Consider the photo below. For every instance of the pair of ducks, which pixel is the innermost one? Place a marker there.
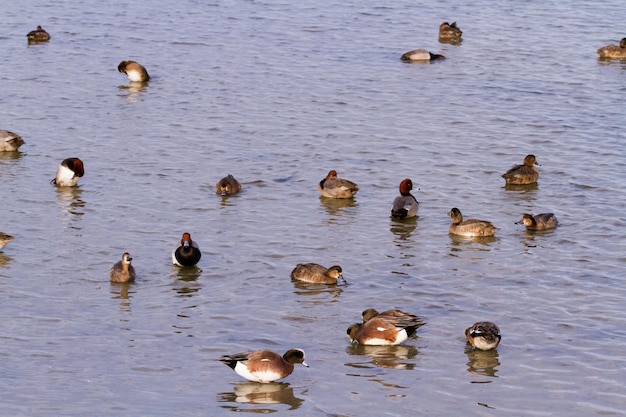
(387, 328)
(187, 253)
(447, 33)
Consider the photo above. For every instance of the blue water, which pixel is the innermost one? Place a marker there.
(278, 94)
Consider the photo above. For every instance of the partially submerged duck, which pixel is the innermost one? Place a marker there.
(420, 55)
(449, 31)
(134, 70)
(335, 187)
(523, 174)
(38, 35)
(541, 221)
(471, 227)
(613, 51)
(69, 172)
(9, 141)
(405, 205)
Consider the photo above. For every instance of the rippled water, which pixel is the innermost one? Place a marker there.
(278, 94)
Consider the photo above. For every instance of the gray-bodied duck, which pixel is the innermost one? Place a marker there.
(405, 205)
(471, 227)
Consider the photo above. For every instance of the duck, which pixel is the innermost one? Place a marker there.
(613, 51)
(396, 314)
(69, 172)
(420, 55)
(134, 70)
(541, 221)
(405, 205)
(523, 174)
(227, 186)
(9, 141)
(383, 330)
(38, 35)
(5, 239)
(483, 335)
(334, 187)
(449, 31)
(264, 366)
(187, 253)
(471, 227)
(317, 274)
(123, 271)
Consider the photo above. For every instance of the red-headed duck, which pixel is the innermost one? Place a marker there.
(187, 253)
(69, 172)
(264, 365)
(405, 205)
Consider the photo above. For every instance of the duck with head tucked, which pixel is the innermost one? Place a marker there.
(541, 221)
(134, 70)
(613, 51)
(68, 173)
(405, 205)
(123, 271)
(38, 35)
(420, 55)
(523, 174)
(471, 227)
(483, 335)
(317, 274)
(264, 366)
(187, 253)
(5, 239)
(449, 31)
(383, 330)
(394, 314)
(227, 186)
(9, 141)
(334, 187)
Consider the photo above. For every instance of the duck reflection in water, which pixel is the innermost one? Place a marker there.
(186, 284)
(72, 205)
(334, 206)
(391, 357)
(255, 393)
(482, 362)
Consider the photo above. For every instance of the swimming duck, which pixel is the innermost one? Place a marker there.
(483, 335)
(187, 253)
(9, 141)
(449, 31)
(227, 186)
(471, 227)
(333, 187)
(539, 222)
(264, 365)
(396, 314)
(418, 55)
(134, 71)
(523, 174)
(613, 51)
(69, 172)
(123, 271)
(405, 205)
(38, 35)
(382, 329)
(317, 274)
(5, 239)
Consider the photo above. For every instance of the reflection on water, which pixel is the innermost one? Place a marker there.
(72, 206)
(335, 206)
(393, 357)
(402, 229)
(4, 259)
(482, 362)
(461, 244)
(134, 90)
(256, 393)
(121, 291)
(10, 156)
(186, 284)
(451, 41)
(522, 188)
(311, 290)
(528, 237)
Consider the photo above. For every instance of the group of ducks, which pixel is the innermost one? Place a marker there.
(450, 33)
(390, 327)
